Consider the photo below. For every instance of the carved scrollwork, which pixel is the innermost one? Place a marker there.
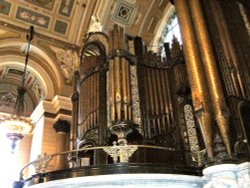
(123, 152)
(42, 162)
(135, 96)
(191, 132)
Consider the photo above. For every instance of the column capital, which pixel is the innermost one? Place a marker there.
(61, 126)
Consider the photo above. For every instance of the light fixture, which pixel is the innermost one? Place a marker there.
(17, 125)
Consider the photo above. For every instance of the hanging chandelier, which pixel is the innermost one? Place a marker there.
(17, 125)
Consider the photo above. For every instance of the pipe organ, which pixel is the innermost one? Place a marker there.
(127, 94)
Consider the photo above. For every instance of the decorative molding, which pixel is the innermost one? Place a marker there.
(59, 107)
(124, 12)
(44, 37)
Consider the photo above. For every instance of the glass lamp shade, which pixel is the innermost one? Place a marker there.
(16, 127)
(17, 124)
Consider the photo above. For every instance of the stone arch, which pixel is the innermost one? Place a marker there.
(162, 24)
(40, 62)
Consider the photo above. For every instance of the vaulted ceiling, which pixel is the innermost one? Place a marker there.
(60, 26)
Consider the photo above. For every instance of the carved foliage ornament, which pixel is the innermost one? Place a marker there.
(191, 131)
(42, 162)
(121, 152)
(68, 61)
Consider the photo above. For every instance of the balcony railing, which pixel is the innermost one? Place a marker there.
(119, 154)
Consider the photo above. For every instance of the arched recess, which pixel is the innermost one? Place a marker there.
(40, 61)
(33, 69)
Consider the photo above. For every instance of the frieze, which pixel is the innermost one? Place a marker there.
(32, 17)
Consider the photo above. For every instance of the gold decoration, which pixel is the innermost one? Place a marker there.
(42, 162)
(136, 112)
(122, 152)
(191, 131)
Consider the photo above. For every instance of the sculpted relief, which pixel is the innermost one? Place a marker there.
(68, 61)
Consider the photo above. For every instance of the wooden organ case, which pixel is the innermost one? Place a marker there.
(127, 94)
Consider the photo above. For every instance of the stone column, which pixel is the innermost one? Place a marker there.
(195, 75)
(219, 107)
(44, 136)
